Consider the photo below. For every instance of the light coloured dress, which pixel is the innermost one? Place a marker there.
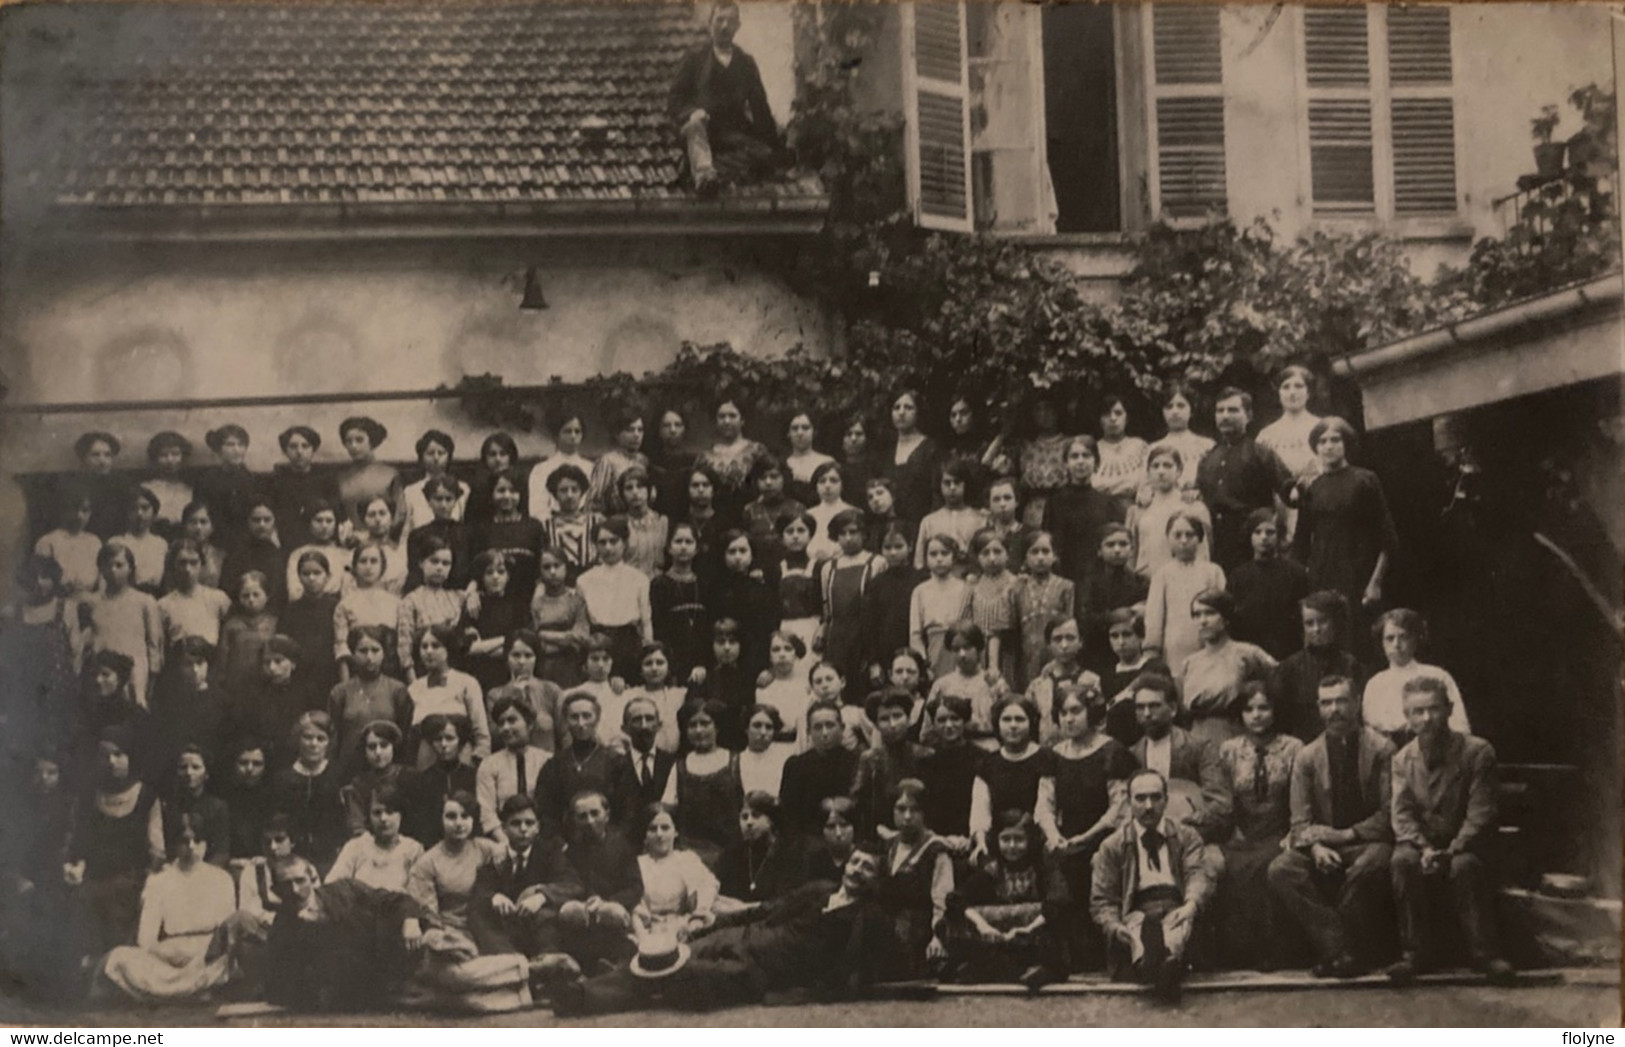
(1192, 447)
(457, 694)
(180, 910)
(542, 505)
(1121, 469)
(76, 554)
(1168, 624)
(198, 613)
(454, 975)
(675, 888)
(365, 862)
(936, 607)
(763, 771)
(1383, 705)
(129, 623)
(1210, 682)
(418, 513)
(1150, 526)
(1038, 602)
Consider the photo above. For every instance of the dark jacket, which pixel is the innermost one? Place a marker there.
(1193, 760)
(732, 96)
(1117, 873)
(607, 869)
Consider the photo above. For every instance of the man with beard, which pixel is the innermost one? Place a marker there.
(1197, 795)
(819, 936)
(1444, 811)
(1334, 879)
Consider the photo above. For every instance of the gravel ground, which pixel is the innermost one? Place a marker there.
(1570, 1006)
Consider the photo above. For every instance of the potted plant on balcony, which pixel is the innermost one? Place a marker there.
(1548, 154)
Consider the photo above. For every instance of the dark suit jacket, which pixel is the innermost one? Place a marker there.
(732, 96)
(1196, 761)
(1312, 790)
(655, 788)
(607, 870)
(545, 869)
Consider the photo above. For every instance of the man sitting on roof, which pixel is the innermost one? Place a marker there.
(721, 110)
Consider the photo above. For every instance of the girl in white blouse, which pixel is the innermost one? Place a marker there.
(679, 892)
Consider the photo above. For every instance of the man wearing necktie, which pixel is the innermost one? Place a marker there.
(1150, 883)
(640, 722)
(515, 901)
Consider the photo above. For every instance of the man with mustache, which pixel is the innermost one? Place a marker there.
(1334, 878)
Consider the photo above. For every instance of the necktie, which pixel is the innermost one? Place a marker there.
(518, 863)
(647, 773)
(520, 758)
(1153, 848)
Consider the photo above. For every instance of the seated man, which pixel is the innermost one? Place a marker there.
(1444, 810)
(819, 936)
(1197, 793)
(593, 925)
(651, 767)
(1149, 886)
(515, 903)
(720, 108)
(1334, 878)
(585, 765)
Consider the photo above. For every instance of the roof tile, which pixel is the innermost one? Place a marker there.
(368, 102)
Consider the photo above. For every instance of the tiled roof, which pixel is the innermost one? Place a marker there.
(357, 103)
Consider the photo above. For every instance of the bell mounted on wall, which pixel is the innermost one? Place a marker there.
(533, 297)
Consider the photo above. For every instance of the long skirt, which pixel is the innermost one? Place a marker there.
(175, 969)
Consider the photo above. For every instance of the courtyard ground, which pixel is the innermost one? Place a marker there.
(1576, 1000)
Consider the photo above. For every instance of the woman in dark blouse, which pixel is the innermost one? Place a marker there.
(508, 528)
(827, 769)
(1345, 534)
(912, 460)
(109, 851)
(1012, 777)
(297, 486)
(669, 464)
(827, 854)
(1086, 804)
(949, 771)
(762, 864)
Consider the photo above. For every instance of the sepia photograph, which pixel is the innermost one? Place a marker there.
(834, 513)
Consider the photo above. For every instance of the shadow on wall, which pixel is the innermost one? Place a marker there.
(148, 362)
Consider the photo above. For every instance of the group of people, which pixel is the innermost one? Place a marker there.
(695, 727)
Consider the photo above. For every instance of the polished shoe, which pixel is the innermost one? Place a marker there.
(569, 999)
(1498, 971)
(1170, 982)
(1344, 966)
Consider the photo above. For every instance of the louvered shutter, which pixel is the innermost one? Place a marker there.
(1188, 92)
(938, 103)
(1337, 66)
(1424, 123)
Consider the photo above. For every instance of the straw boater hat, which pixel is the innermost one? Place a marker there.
(659, 954)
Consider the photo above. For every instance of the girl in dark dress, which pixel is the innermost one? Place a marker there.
(681, 619)
(228, 489)
(308, 792)
(1012, 777)
(913, 460)
(826, 854)
(109, 703)
(108, 851)
(949, 771)
(37, 641)
(448, 737)
(297, 486)
(1087, 804)
(189, 709)
(110, 490)
(498, 455)
(494, 614)
(886, 606)
(738, 593)
(258, 551)
(510, 530)
(189, 803)
(1076, 513)
(916, 881)
(762, 864)
(827, 769)
(704, 784)
(857, 464)
(308, 622)
(669, 464)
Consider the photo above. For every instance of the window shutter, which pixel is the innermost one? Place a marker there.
(938, 104)
(1337, 66)
(1188, 87)
(1424, 122)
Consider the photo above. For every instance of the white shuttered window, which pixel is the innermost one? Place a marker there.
(1381, 111)
(938, 104)
(1186, 88)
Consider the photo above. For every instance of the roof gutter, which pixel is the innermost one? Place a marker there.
(1594, 293)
